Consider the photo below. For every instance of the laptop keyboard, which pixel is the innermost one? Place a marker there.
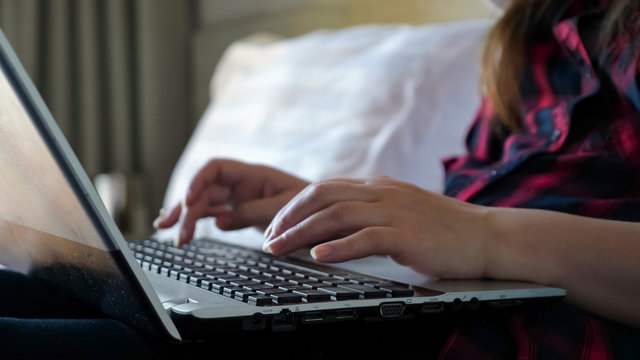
(257, 278)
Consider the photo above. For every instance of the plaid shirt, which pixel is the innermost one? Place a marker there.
(578, 152)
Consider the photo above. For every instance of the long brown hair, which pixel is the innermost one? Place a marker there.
(505, 53)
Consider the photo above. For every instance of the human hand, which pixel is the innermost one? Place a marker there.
(431, 233)
(237, 194)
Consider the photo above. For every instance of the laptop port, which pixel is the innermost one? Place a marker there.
(312, 317)
(345, 314)
(429, 308)
(284, 321)
(392, 310)
(456, 305)
(473, 304)
(254, 322)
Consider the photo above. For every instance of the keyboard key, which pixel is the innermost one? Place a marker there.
(315, 285)
(176, 251)
(216, 286)
(366, 292)
(397, 290)
(362, 280)
(261, 279)
(286, 298)
(195, 280)
(231, 290)
(277, 283)
(269, 292)
(313, 295)
(257, 286)
(260, 300)
(241, 282)
(339, 294)
(291, 287)
(243, 295)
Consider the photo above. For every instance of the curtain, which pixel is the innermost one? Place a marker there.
(114, 73)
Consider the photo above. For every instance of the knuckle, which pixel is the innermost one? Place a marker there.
(349, 248)
(319, 190)
(212, 164)
(281, 222)
(374, 237)
(340, 212)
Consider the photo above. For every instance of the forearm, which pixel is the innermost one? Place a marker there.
(597, 261)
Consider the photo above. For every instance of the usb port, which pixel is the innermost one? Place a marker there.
(434, 307)
(345, 314)
(312, 316)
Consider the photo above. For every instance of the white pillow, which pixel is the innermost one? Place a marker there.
(356, 102)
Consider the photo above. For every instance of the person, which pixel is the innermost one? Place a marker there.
(549, 190)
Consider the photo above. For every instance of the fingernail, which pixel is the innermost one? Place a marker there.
(266, 247)
(321, 252)
(156, 222)
(160, 218)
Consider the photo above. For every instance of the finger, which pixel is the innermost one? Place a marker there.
(212, 201)
(217, 195)
(217, 171)
(366, 242)
(252, 213)
(168, 219)
(316, 197)
(191, 215)
(339, 218)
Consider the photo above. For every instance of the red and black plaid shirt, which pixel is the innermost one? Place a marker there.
(578, 152)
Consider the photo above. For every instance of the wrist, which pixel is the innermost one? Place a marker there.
(515, 246)
(500, 248)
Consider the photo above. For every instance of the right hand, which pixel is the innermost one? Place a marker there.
(237, 194)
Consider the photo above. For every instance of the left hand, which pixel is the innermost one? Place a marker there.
(431, 233)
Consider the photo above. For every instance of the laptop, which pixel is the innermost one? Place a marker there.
(55, 227)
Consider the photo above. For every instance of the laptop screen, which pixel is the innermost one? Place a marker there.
(50, 225)
(36, 196)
